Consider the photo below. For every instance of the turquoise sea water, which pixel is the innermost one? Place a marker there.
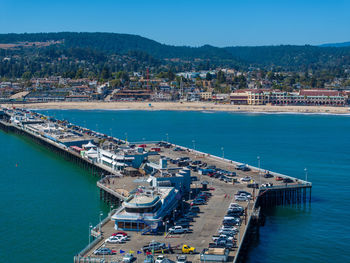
(47, 202)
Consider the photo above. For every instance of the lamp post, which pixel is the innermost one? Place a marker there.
(305, 170)
(90, 227)
(101, 214)
(126, 136)
(167, 137)
(194, 144)
(223, 153)
(259, 170)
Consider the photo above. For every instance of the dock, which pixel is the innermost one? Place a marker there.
(136, 165)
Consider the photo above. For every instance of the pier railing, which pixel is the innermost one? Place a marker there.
(96, 234)
(102, 185)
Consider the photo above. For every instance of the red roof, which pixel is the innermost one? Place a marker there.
(319, 93)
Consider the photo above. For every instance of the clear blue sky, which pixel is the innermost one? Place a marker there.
(191, 22)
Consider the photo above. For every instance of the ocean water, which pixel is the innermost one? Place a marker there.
(47, 202)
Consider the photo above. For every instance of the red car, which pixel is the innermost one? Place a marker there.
(120, 233)
(279, 178)
(143, 145)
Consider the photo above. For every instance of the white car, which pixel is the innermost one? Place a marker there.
(181, 259)
(128, 258)
(121, 237)
(114, 240)
(246, 179)
(232, 205)
(241, 198)
(228, 228)
(160, 259)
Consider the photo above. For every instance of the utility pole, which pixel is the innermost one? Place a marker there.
(305, 170)
(259, 170)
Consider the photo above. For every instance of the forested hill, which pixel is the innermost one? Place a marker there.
(120, 44)
(30, 53)
(292, 57)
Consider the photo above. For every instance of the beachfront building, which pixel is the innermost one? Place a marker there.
(277, 97)
(146, 209)
(239, 98)
(323, 97)
(122, 158)
(257, 97)
(207, 95)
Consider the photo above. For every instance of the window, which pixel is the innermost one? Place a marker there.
(127, 225)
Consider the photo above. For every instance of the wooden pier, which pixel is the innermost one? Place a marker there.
(280, 194)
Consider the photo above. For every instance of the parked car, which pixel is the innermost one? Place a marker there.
(279, 178)
(178, 230)
(120, 236)
(224, 232)
(195, 209)
(181, 259)
(160, 259)
(104, 251)
(128, 258)
(114, 240)
(153, 246)
(268, 175)
(226, 228)
(221, 236)
(186, 249)
(234, 205)
(190, 214)
(197, 202)
(246, 179)
(241, 192)
(178, 149)
(120, 233)
(242, 167)
(182, 223)
(287, 180)
(241, 198)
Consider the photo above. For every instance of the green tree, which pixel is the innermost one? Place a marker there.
(208, 76)
(79, 74)
(220, 77)
(27, 75)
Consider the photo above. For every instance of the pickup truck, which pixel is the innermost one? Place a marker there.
(178, 230)
(214, 254)
(154, 246)
(188, 249)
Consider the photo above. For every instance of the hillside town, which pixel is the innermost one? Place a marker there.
(226, 86)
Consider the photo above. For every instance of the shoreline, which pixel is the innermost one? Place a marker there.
(185, 106)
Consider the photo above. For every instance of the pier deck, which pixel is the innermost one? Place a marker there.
(115, 188)
(212, 214)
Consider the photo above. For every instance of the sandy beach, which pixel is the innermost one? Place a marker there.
(184, 106)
